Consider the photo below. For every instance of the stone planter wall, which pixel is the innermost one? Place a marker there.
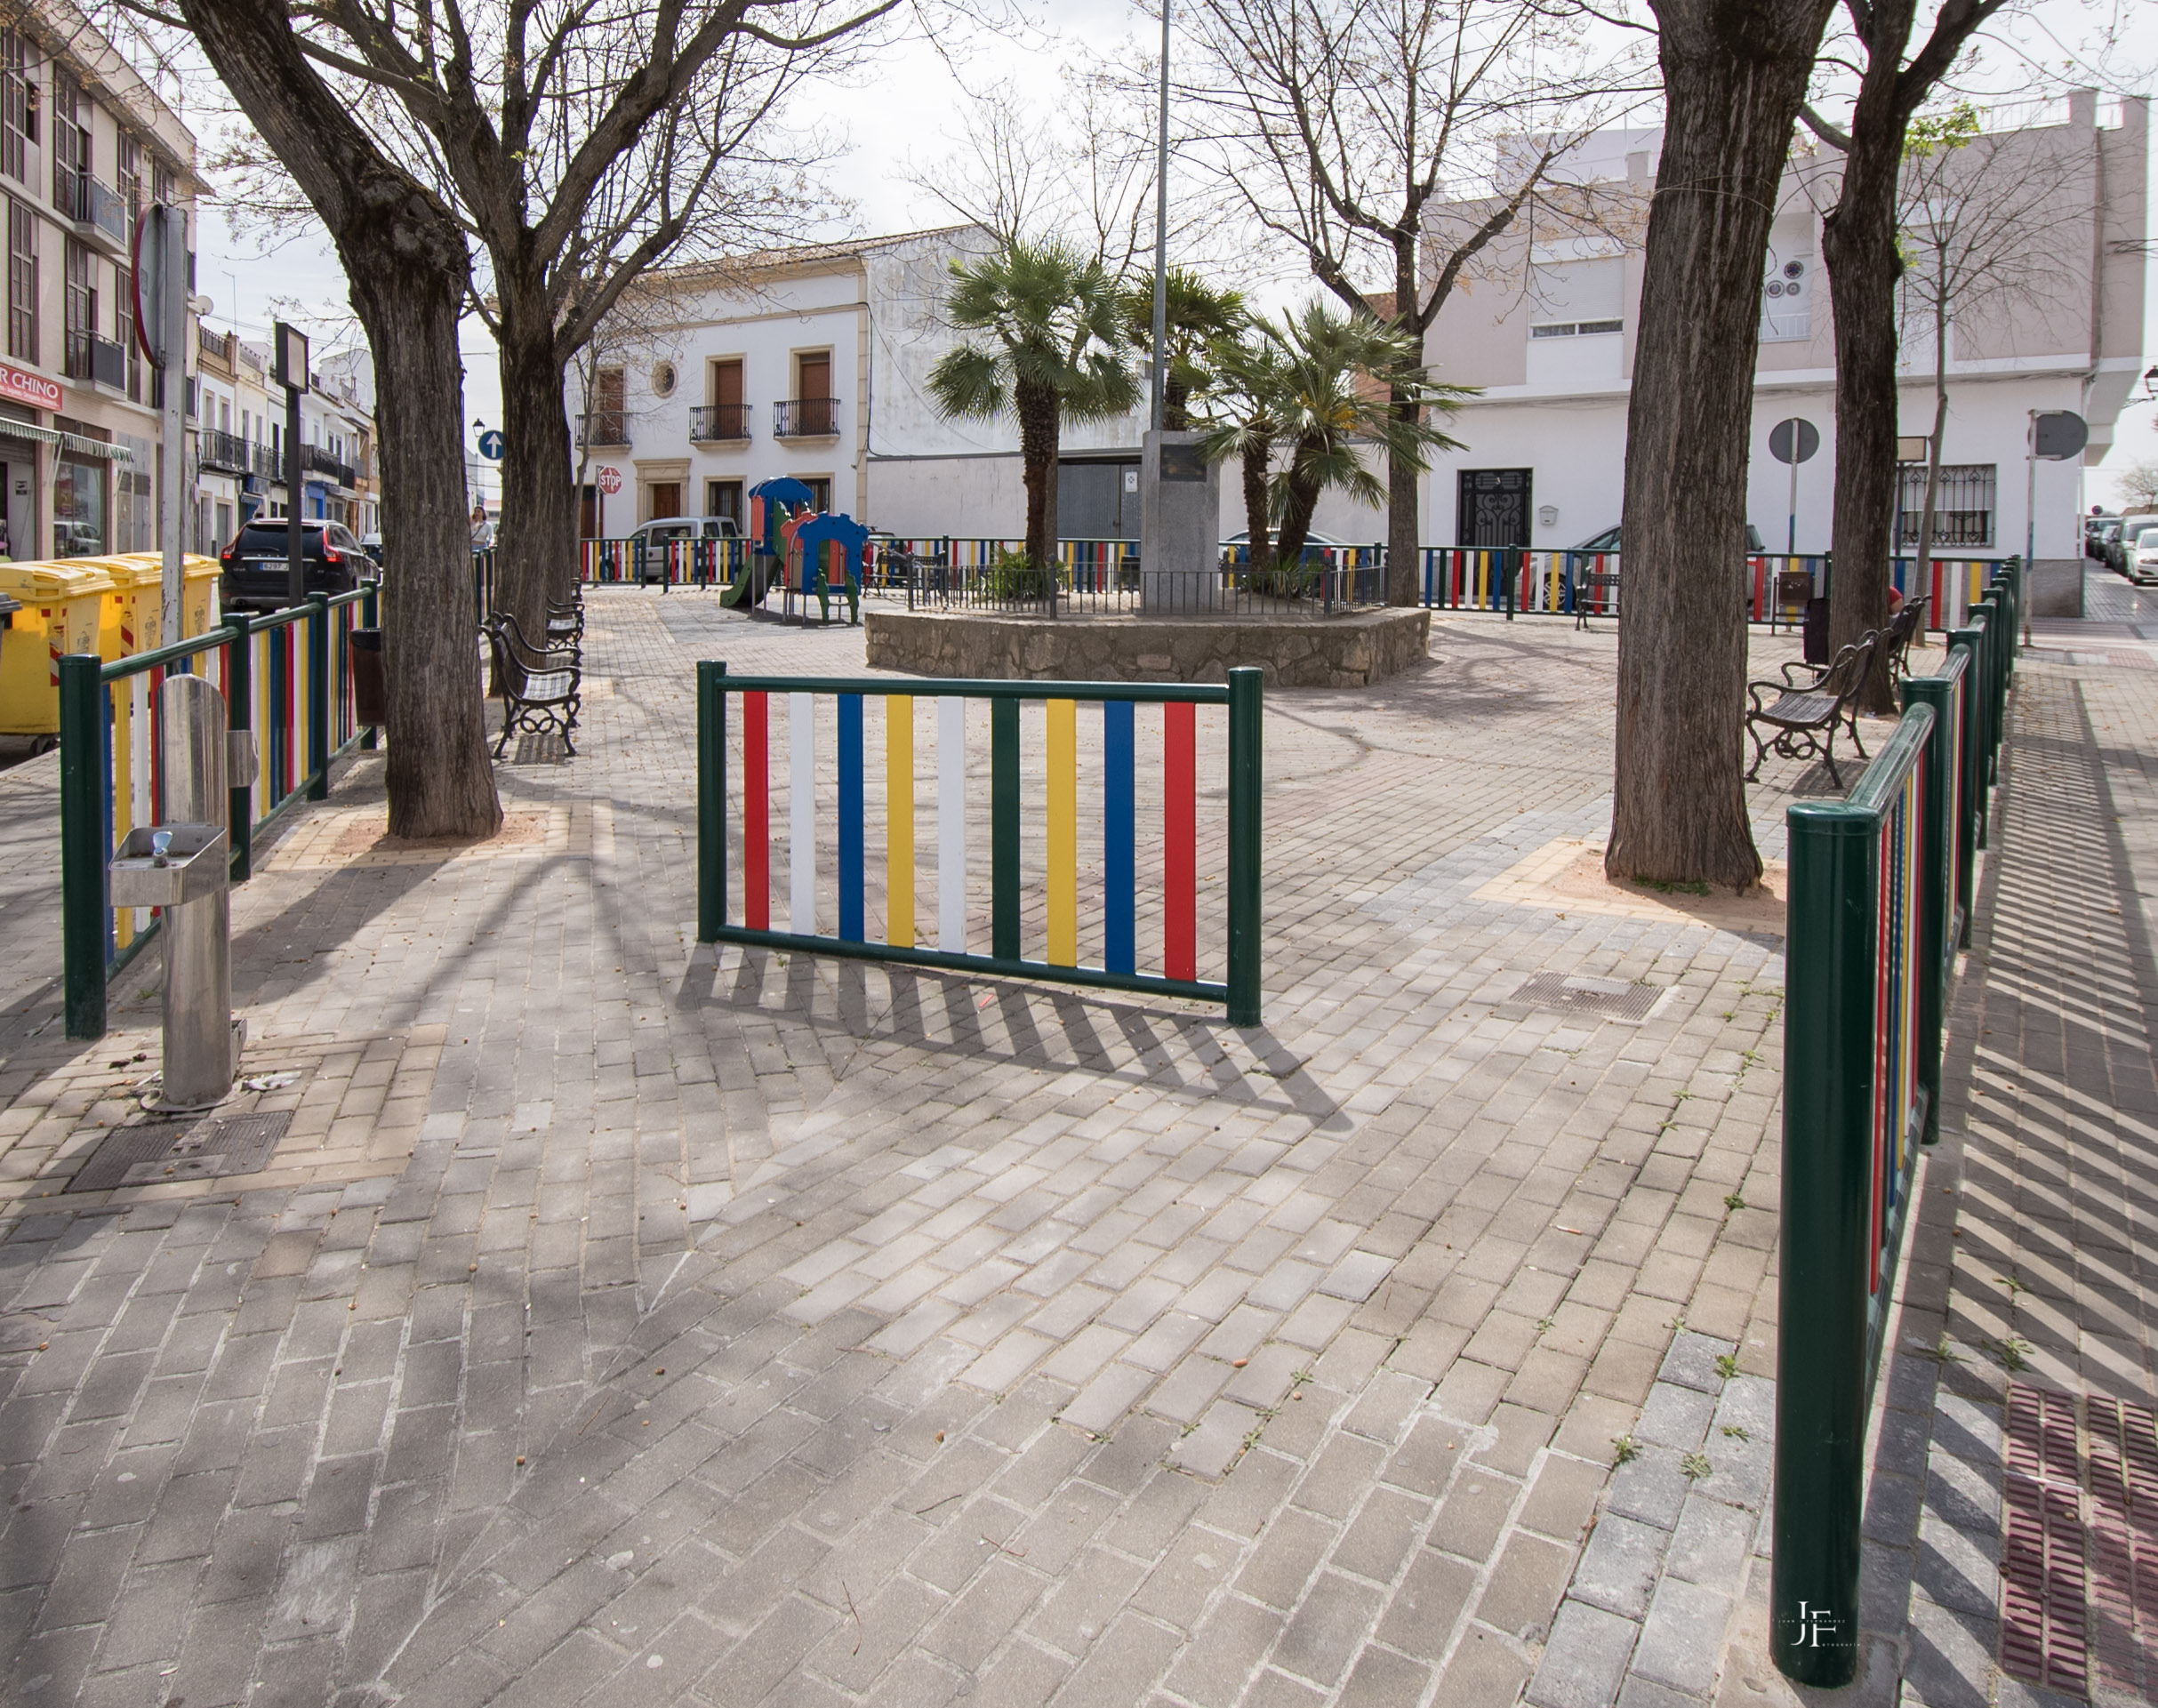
(1350, 651)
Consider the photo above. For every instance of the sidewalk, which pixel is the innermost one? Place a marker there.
(610, 1318)
(2011, 1523)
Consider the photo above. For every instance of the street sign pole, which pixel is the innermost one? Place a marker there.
(292, 366)
(1793, 441)
(172, 474)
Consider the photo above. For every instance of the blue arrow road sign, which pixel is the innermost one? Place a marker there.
(491, 445)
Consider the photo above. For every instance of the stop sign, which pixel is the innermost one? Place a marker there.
(610, 480)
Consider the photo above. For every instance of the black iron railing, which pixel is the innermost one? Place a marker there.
(805, 418)
(604, 426)
(719, 421)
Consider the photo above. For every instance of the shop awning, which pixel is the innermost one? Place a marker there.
(84, 447)
(14, 429)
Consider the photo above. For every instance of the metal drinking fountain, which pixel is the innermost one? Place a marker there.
(184, 867)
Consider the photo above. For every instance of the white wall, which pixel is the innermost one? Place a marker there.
(1576, 449)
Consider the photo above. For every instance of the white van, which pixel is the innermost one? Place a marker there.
(649, 541)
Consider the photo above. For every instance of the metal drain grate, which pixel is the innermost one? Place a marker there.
(2079, 1566)
(187, 1150)
(1606, 998)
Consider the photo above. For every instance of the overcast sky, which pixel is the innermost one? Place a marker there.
(906, 114)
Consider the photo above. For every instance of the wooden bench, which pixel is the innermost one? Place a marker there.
(542, 690)
(1805, 716)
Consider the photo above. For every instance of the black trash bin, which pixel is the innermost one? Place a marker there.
(368, 696)
(1817, 631)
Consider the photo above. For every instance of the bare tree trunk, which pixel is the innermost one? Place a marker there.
(1858, 243)
(1734, 72)
(537, 543)
(405, 257)
(1258, 454)
(1403, 582)
(1037, 407)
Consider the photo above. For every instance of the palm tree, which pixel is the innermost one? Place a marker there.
(1332, 409)
(1047, 353)
(1198, 317)
(1247, 381)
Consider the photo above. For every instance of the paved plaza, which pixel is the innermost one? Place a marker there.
(615, 1319)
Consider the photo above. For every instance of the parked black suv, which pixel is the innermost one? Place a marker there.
(257, 577)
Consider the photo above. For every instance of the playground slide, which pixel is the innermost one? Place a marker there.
(737, 593)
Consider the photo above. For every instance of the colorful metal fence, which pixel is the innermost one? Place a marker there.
(287, 677)
(1538, 583)
(1146, 913)
(1881, 889)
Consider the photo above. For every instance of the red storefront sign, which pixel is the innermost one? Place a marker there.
(32, 388)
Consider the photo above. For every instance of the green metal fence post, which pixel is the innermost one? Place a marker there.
(1247, 830)
(1004, 829)
(1970, 642)
(240, 714)
(711, 799)
(318, 697)
(1820, 1357)
(1939, 924)
(83, 843)
(371, 616)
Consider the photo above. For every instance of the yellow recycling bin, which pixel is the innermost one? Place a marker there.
(200, 576)
(62, 610)
(134, 618)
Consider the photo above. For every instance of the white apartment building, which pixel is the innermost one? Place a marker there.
(1551, 345)
(85, 145)
(815, 363)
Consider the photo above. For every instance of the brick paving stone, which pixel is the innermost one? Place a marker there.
(2024, 1258)
(912, 1337)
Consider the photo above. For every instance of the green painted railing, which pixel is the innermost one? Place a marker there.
(875, 800)
(287, 677)
(1882, 886)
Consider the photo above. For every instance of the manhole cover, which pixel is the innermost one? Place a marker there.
(188, 1150)
(1606, 998)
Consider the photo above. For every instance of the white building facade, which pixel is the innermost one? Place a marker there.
(815, 363)
(1552, 350)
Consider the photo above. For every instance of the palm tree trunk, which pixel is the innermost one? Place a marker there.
(1297, 514)
(1258, 453)
(1038, 435)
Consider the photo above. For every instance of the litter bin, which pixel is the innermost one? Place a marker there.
(199, 580)
(60, 610)
(369, 695)
(134, 618)
(1817, 631)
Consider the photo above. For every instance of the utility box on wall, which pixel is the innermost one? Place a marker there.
(1179, 526)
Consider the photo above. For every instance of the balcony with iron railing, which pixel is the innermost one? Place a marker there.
(269, 461)
(217, 450)
(719, 422)
(98, 214)
(319, 461)
(604, 426)
(806, 418)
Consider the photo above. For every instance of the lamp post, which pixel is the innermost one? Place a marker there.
(1161, 240)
